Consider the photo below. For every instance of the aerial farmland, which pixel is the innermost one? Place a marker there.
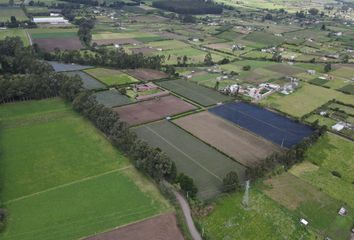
(176, 119)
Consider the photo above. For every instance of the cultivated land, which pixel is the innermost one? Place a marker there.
(160, 227)
(110, 76)
(310, 203)
(50, 44)
(330, 153)
(270, 125)
(193, 157)
(112, 98)
(263, 219)
(88, 82)
(306, 99)
(147, 74)
(152, 110)
(85, 173)
(201, 95)
(241, 145)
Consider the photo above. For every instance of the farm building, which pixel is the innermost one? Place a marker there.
(51, 20)
(338, 127)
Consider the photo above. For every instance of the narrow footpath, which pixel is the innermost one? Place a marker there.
(187, 215)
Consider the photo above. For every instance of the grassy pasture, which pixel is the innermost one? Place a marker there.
(267, 39)
(110, 76)
(57, 170)
(7, 12)
(15, 33)
(305, 99)
(112, 98)
(123, 35)
(330, 153)
(308, 202)
(60, 34)
(263, 220)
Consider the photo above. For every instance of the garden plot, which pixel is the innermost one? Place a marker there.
(88, 81)
(194, 92)
(50, 44)
(151, 110)
(111, 77)
(271, 126)
(241, 145)
(7, 12)
(194, 158)
(112, 98)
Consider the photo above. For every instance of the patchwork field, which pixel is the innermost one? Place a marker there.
(88, 81)
(244, 147)
(152, 110)
(160, 227)
(310, 203)
(330, 154)
(269, 125)
(264, 219)
(111, 76)
(201, 95)
(196, 159)
(112, 98)
(57, 170)
(305, 99)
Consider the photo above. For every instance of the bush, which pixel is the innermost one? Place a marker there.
(231, 182)
(336, 174)
(187, 185)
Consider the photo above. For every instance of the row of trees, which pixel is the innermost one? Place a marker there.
(286, 160)
(116, 58)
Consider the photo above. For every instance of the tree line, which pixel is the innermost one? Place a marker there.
(189, 6)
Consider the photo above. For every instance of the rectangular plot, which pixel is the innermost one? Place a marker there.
(112, 98)
(237, 143)
(50, 44)
(196, 159)
(272, 126)
(152, 110)
(194, 92)
(88, 81)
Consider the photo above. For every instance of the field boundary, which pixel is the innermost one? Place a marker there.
(68, 184)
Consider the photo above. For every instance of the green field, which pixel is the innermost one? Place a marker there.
(201, 95)
(15, 33)
(264, 219)
(112, 98)
(305, 99)
(62, 179)
(193, 157)
(7, 12)
(308, 202)
(330, 153)
(110, 76)
(61, 34)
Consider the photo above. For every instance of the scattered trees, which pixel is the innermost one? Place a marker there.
(189, 6)
(187, 185)
(208, 60)
(328, 67)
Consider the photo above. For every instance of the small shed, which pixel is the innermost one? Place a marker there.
(304, 222)
(342, 211)
(338, 126)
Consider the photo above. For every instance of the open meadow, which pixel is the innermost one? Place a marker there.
(110, 76)
(62, 178)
